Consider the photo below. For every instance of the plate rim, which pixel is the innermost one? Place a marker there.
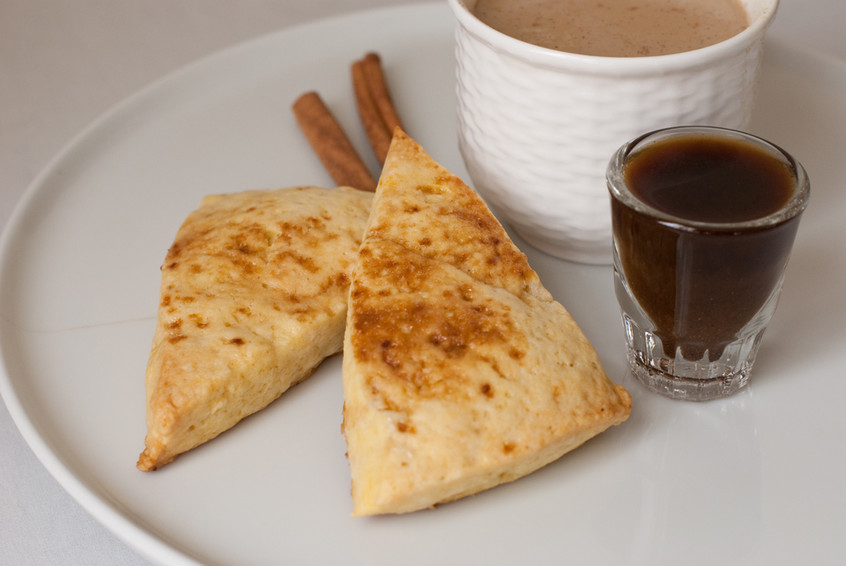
(135, 535)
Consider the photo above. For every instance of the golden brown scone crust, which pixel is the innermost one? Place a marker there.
(460, 371)
(253, 298)
(441, 217)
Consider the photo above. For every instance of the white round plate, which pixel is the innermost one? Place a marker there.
(755, 479)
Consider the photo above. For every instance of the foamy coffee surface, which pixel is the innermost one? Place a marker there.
(616, 28)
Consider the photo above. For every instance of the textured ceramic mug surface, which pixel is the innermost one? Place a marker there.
(537, 127)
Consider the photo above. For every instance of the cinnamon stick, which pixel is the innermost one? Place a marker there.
(331, 144)
(375, 106)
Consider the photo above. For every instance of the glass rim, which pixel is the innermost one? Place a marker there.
(620, 191)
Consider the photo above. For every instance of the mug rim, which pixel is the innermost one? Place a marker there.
(551, 58)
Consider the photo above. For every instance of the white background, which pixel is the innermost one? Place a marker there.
(62, 64)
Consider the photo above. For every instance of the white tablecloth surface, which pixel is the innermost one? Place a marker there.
(62, 64)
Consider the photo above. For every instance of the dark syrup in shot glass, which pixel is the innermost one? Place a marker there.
(700, 285)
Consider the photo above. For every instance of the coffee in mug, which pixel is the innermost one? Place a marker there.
(616, 28)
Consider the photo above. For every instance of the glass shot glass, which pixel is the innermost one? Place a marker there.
(703, 222)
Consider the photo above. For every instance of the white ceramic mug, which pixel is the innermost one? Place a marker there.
(537, 127)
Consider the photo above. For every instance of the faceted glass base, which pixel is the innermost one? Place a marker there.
(679, 378)
(687, 388)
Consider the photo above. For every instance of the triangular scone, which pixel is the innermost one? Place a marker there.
(453, 381)
(253, 298)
